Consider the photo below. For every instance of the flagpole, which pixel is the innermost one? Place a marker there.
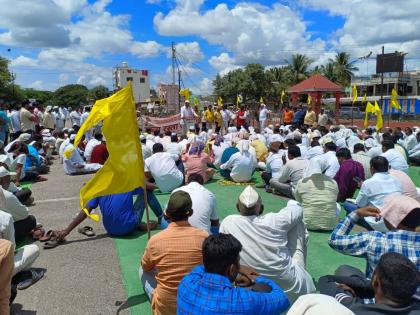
(146, 205)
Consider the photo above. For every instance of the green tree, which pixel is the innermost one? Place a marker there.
(40, 96)
(98, 92)
(329, 71)
(344, 68)
(5, 75)
(299, 67)
(71, 95)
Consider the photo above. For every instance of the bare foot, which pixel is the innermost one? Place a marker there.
(152, 225)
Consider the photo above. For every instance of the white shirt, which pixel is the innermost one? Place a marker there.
(163, 169)
(396, 160)
(332, 162)
(15, 120)
(20, 159)
(303, 150)
(218, 152)
(7, 229)
(266, 246)
(14, 206)
(274, 164)
(187, 113)
(226, 114)
(275, 137)
(174, 148)
(241, 165)
(203, 205)
(70, 165)
(83, 117)
(263, 114)
(314, 151)
(292, 172)
(63, 147)
(92, 143)
(375, 151)
(146, 151)
(375, 189)
(75, 118)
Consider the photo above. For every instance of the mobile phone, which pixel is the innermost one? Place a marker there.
(357, 179)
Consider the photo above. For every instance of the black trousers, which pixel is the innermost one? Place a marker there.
(23, 195)
(24, 227)
(266, 177)
(415, 160)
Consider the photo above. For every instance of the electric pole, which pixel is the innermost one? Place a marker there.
(179, 89)
(173, 63)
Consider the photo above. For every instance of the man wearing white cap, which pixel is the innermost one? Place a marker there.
(241, 165)
(48, 121)
(75, 165)
(273, 244)
(188, 116)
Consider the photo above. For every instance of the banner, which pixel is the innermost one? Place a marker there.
(171, 123)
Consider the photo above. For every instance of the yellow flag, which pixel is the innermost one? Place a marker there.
(123, 171)
(354, 94)
(309, 100)
(364, 98)
(261, 100)
(378, 113)
(394, 100)
(186, 93)
(238, 100)
(369, 109)
(219, 102)
(283, 94)
(196, 101)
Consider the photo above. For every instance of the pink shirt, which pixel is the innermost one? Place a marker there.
(197, 164)
(409, 189)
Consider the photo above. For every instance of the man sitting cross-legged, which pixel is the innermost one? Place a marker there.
(218, 287)
(274, 244)
(393, 285)
(171, 254)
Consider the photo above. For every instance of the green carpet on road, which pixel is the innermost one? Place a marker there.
(321, 258)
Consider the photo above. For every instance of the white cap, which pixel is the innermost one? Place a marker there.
(192, 128)
(142, 137)
(24, 137)
(249, 197)
(72, 137)
(4, 172)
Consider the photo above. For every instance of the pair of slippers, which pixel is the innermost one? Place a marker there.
(50, 240)
(86, 230)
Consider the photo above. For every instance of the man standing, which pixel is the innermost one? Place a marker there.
(226, 117)
(48, 121)
(15, 121)
(188, 117)
(75, 117)
(273, 244)
(322, 119)
(262, 115)
(170, 255)
(27, 118)
(205, 215)
(288, 116)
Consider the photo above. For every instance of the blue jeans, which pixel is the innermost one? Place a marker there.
(152, 201)
(350, 206)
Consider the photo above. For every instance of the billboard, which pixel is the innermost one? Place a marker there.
(393, 62)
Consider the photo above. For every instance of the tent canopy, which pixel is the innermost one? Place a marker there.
(316, 83)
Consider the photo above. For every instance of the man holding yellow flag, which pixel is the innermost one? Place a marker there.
(122, 176)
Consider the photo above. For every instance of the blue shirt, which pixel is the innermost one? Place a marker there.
(211, 294)
(6, 120)
(118, 215)
(34, 155)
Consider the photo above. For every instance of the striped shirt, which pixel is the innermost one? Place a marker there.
(372, 245)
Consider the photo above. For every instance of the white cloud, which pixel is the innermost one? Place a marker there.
(249, 32)
(146, 49)
(189, 52)
(23, 61)
(205, 87)
(39, 85)
(223, 63)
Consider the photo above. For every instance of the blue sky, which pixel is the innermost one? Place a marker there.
(56, 42)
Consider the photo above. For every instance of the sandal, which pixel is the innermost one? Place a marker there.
(37, 233)
(86, 230)
(52, 243)
(33, 278)
(47, 236)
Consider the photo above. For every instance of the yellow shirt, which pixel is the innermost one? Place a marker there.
(218, 118)
(208, 116)
(260, 149)
(310, 118)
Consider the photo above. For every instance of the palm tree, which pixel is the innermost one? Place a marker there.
(299, 67)
(329, 71)
(344, 68)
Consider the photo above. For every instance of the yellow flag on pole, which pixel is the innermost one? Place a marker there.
(219, 102)
(238, 100)
(370, 109)
(282, 95)
(354, 94)
(123, 171)
(364, 98)
(378, 113)
(261, 100)
(394, 100)
(186, 93)
(309, 100)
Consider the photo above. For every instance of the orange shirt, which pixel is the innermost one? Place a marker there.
(174, 252)
(288, 116)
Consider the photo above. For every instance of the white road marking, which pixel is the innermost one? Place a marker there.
(56, 200)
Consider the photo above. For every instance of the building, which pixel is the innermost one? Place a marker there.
(407, 85)
(139, 78)
(169, 94)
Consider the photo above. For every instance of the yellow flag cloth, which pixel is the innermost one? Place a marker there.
(309, 100)
(378, 113)
(369, 109)
(196, 101)
(394, 100)
(364, 98)
(219, 102)
(123, 171)
(238, 100)
(283, 94)
(354, 94)
(185, 93)
(261, 99)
